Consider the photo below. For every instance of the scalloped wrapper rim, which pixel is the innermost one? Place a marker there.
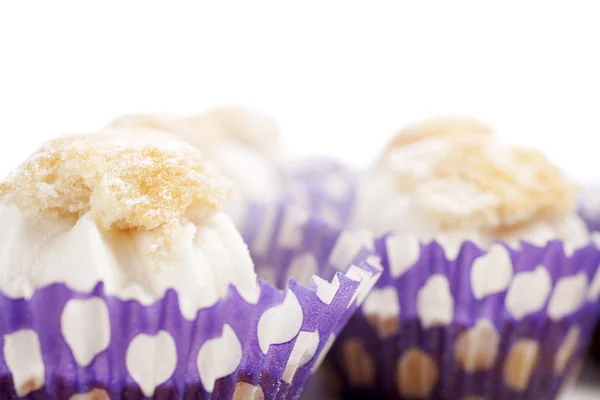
(280, 373)
(387, 341)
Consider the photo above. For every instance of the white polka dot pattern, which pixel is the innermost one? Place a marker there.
(303, 351)
(151, 360)
(568, 296)
(24, 359)
(367, 281)
(403, 252)
(302, 268)
(290, 232)
(435, 304)
(348, 246)
(219, 357)
(328, 344)
(336, 186)
(492, 272)
(594, 290)
(447, 324)
(77, 341)
(265, 230)
(280, 323)
(528, 292)
(326, 291)
(86, 328)
(383, 302)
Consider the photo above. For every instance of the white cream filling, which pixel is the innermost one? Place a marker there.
(382, 208)
(255, 176)
(209, 256)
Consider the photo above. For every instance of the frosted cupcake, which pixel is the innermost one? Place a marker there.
(120, 277)
(241, 142)
(490, 281)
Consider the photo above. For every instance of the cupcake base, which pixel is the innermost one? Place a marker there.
(531, 359)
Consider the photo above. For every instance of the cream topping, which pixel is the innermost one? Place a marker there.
(451, 177)
(126, 179)
(132, 208)
(239, 141)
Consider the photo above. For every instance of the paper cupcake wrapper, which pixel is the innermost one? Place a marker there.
(325, 188)
(589, 207)
(62, 344)
(496, 324)
(589, 210)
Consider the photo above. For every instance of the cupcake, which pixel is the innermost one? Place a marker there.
(241, 142)
(589, 208)
(326, 188)
(120, 278)
(490, 284)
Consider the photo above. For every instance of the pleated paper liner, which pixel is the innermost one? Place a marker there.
(497, 324)
(326, 188)
(62, 344)
(589, 209)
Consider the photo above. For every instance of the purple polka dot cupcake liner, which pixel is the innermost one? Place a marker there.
(500, 323)
(64, 344)
(589, 209)
(589, 206)
(326, 188)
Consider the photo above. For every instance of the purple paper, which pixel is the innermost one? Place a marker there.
(326, 188)
(589, 209)
(533, 320)
(278, 371)
(589, 206)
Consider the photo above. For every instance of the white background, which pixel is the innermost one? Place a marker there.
(340, 77)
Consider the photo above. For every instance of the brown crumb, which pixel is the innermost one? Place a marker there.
(129, 179)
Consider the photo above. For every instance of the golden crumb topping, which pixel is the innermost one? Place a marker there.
(523, 183)
(439, 127)
(465, 178)
(126, 178)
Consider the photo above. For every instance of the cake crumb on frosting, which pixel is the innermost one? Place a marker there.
(523, 183)
(471, 180)
(127, 179)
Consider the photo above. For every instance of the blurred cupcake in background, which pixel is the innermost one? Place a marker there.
(326, 188)
(589, 208)
(451, 179)
(242, 143)
(120, 278)
(490, 284)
